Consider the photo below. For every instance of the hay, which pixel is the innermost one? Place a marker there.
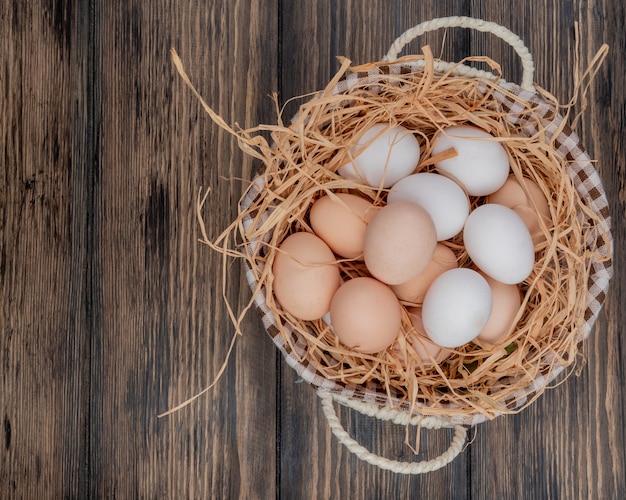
(299, 166)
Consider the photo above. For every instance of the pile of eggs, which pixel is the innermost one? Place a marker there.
(402, 244)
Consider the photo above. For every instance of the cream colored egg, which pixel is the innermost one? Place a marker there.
(306, 276)
(506, 303)
(340, 220)
(365, 315)
(415, 289)
(382, 156)
(399, 242)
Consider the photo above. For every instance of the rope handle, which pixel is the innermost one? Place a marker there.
(528, 66)
(397, 417)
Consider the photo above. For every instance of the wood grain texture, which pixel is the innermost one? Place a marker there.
(111, 312)
(44, 192)
(164, 326)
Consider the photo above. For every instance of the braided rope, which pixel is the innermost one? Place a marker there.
(528, 66)
(398, 417)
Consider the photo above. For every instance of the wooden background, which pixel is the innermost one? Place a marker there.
(111, 312)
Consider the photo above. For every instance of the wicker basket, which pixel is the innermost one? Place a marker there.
(373, 398)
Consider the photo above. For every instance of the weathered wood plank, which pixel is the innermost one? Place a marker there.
(44, 251)
(164, 326)
(112, 312)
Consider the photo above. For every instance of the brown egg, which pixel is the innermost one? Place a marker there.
(506, 303)
(399, 242)
(340, 220)
(305, 276)
(365, 315)
(425, 348)
(414, 290)
(529, 208)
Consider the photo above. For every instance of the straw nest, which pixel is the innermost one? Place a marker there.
(299, 166)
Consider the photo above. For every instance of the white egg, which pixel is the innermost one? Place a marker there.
(499, 243)
(481, 164)
(456, 307)
(443, 199)
(382, 156)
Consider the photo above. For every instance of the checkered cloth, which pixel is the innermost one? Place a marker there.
(585, 179)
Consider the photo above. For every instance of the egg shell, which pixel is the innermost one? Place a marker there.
(456, 308)
(415, 289)
(365, 315)
(340, 220)
(528, 202)
(443, 199)
(382, 156)
(429, 352)
(506, 303)
(481, 164)
(499, 243)
(305, 276)
(399, 242)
